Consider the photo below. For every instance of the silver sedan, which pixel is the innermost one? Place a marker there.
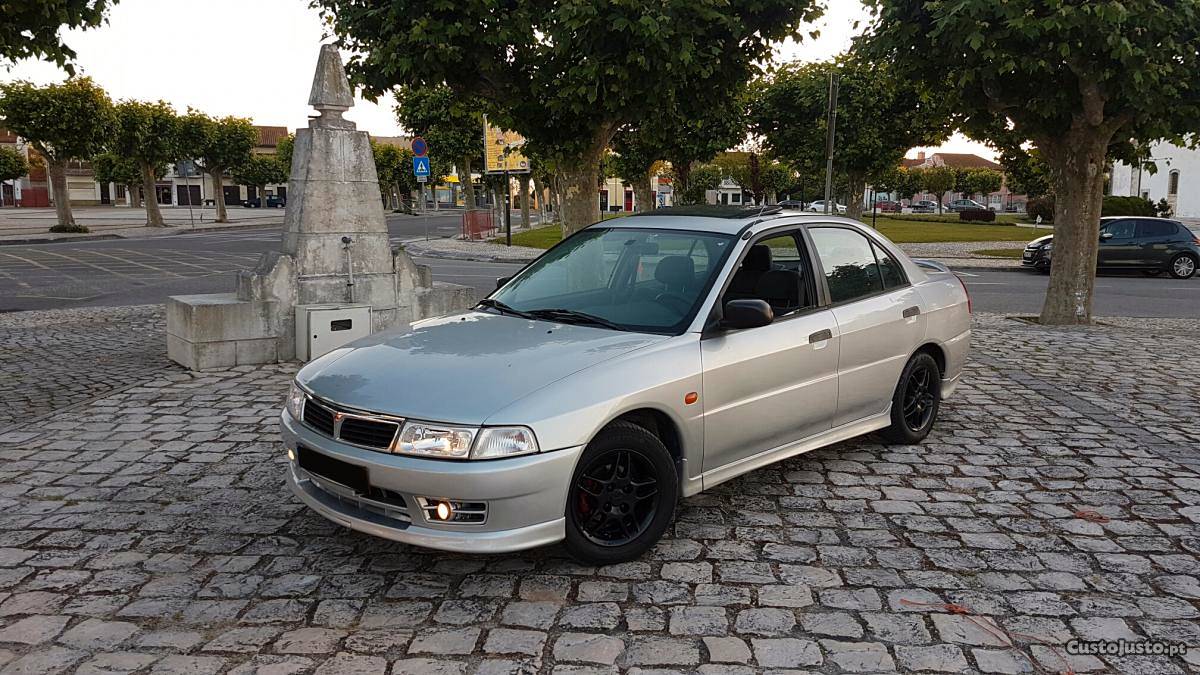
(639, 361)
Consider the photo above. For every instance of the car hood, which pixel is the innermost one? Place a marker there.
(1040, 240)
(461, 368)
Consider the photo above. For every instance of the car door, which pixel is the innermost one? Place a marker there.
(1118, 246)
(768, 386)
(878, 314)
(1154, 239)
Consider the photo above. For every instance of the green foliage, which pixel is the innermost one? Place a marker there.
(111, 168)
(260, 170)
(938, 180)
(566, 75)
(216, 144)
(30, 28)
(901, 181)
(1163, 209)
(702, 178)
(879, 117)
(12, 164)
(452, 125)
(283, 150)
(64, 121)
(150, 133)
(1040, 206)
(394, 167)
(977, 215)
(1025, 171)
(1128, 206)
(978, 181)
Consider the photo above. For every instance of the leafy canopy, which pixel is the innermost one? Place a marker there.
(216, 144)
(64, 121)
(111, 168)
(879, 116)
(12, 164)
(30, 28)
(148, 132)
(452, 125)
(565, 75)
(260, 170)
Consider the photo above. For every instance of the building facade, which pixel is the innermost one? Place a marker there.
(1175, 178)
(1002, 200)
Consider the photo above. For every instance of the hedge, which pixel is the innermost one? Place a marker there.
(977, 215)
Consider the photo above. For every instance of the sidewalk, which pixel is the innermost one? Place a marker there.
(32, 225)
(145, 526)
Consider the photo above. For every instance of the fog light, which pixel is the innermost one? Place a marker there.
(443, 511)
(291, 455)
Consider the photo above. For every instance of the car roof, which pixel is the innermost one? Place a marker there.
(730, 221)
(1168, 220)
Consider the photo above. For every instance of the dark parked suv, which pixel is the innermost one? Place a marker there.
(1152, 245)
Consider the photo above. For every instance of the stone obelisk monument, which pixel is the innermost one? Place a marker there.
(335, 250)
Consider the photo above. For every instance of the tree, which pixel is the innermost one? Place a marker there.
(566, 75)
(283, 150)
(879, 117)
(938, 180)
(979, 181)
(150, 134)
(110, 168)
(217, 145)
(637, 152)
(31, 29)
(1025, 172)
(393, 165)
(698, 134)
(260, 171)
(12, 166)
(703, 178)
(63, 122)
(900, 181)
(1077, 79)
(451, 124)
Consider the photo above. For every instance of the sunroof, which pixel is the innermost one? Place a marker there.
(715, 211)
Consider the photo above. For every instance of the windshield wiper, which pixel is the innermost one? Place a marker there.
(573, 316)
(503, 308)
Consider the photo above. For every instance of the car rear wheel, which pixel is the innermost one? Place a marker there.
(1182, 266)
(916, 401)
(622, 496)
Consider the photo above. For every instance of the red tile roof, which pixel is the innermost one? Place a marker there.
(956, 160)
(268, 137)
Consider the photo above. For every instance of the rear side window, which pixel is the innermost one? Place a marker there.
(848, 261)
(1121, 229)
(1155, 229)
(889, 269)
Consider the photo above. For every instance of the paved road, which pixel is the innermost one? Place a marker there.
(146, 271)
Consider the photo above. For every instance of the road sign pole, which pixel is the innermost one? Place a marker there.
(507, 207)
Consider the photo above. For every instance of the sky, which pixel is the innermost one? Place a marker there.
(255, 59)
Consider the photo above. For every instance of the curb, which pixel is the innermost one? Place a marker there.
(164, 232)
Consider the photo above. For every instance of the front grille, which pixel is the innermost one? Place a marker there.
(352, 427)
(368, 432)
(318, 417)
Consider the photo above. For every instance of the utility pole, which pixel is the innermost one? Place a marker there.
(831, 126)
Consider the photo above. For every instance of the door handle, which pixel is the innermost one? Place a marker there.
(911, 312)
(820, 336)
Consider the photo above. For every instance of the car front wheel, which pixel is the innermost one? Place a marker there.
(622, 496)
(916, 401)
(1182, 266)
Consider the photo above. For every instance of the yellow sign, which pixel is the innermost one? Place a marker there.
(502, 151)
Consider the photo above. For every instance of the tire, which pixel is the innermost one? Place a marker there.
(927, 399)
(1182, 266)
(627, 455)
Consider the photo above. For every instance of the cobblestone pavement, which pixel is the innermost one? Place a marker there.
(1058, 498)
(50, 360)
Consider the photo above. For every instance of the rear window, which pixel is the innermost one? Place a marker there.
(1156, 228)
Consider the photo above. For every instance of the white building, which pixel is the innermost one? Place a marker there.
(1176, 179)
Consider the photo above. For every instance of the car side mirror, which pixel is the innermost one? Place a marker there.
(1105, 236)
(500, 281)
(747, 314)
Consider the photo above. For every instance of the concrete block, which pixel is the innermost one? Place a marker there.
(442, 299)
(218, 317)
(254, 352)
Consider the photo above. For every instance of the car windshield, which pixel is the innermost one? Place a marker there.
(644, 280)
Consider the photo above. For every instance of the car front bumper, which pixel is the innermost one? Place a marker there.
(1035, 257)
(525, 497)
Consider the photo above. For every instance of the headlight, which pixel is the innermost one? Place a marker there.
(1047, 246)
(494, 442)
(295, 401)
(435, 440)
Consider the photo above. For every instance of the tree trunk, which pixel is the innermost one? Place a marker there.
(132, 198)
(464, 179)
(581, 205)
(1078, 167)
(153, 213)
(540, 191)
(854, 204)
(683, 175)
(62, 193)
(219, 195)
(524, 181)
(643, 194)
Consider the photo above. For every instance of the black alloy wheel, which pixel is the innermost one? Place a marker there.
(916, 401)
(622, 495)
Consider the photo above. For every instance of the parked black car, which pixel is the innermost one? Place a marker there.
(1152, 245)
(273, 201)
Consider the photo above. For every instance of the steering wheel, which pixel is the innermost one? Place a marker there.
(673, 301)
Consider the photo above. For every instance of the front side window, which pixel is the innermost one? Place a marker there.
(848, 261)
(629, 279)
(773, 271)
(1121, 229)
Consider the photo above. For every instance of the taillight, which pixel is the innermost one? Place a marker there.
(965, 291)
